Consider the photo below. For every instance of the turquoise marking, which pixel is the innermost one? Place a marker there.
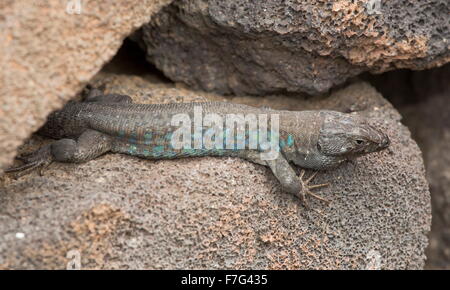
(146, 153)
(132, 149)
(189, 151)
(121, 134)
(282, 143)
(148, 138)
(169, 136)
(159, 148)
(170, 154)
(290, 141)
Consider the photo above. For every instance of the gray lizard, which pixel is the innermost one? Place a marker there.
(316, 140)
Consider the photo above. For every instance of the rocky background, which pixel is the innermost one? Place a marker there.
(122, 212)
(422, 97)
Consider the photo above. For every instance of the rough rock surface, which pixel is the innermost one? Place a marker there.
(261, 47)
(48, 52)
(123, 212)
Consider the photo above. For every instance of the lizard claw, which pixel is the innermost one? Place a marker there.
(306, 188)
(40, 158)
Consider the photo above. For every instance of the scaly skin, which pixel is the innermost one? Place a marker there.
(316, 140)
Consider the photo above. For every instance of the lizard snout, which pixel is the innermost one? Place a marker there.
(382, 139)
(379, 139)
(385, 142)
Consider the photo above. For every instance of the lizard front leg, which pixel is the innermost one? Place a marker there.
(285, 174)
(291, 183)
(88, 146)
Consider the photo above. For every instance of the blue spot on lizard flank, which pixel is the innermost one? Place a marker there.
(148, 138)
(290, 140)
(159, 148)
(132, 149)
(170, 154)
(169, 136)
(189, 152)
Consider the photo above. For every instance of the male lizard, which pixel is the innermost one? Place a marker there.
(316, 140)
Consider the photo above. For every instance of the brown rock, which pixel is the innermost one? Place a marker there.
(254, 47)
(48, 52)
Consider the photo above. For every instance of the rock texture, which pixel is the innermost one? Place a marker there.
(261, 47)
(48, 52)
(221, 213)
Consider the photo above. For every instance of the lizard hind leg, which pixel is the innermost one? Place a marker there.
(89, 145)
(40, 159)
(96, 95)
(307, 187)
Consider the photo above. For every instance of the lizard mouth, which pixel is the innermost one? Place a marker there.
(385, 142)
(383, 139)
(381, 145)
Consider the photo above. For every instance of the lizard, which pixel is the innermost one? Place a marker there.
(310, 139)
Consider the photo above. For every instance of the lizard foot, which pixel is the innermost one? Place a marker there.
(307, 187)
(40, 158)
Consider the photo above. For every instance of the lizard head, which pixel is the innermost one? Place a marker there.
(350, 136)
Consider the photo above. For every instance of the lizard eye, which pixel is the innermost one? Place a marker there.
(359, 142)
